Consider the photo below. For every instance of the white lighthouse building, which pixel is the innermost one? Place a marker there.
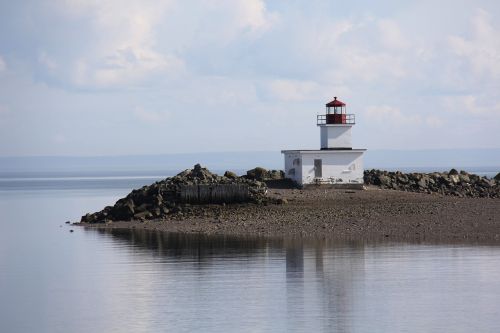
(336, 162)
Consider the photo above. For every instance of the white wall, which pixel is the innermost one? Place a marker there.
(336, 136)
(291, 160)
(339, 167)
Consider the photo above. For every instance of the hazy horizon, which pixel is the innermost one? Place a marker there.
(429, 160)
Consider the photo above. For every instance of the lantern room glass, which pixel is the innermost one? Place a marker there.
(336, 110)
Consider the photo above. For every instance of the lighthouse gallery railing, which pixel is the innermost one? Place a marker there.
(335, 119)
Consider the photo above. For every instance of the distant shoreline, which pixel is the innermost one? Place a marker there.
(344, 214)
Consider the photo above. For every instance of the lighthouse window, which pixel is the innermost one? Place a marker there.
(291, 172)
(296, 161)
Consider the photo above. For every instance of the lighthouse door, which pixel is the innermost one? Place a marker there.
(318, 168)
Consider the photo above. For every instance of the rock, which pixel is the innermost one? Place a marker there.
(384, 180)
(142, 215)
(276, 174)
(422, 183)
(123, 210)
(163, 198)
(460, 184)
(485, 183)
(403, 179)
(257, 173)
(230, 174)
(464, 178)
(497, 178)
(454, 178)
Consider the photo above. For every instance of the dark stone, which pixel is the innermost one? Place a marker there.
(497, 178)
(257, 173)
(230, 174)
(384, 180)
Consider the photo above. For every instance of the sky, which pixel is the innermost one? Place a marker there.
(120, 77)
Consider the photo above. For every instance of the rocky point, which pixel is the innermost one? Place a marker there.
(165, 198)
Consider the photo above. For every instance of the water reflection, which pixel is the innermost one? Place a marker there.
(262, 284)
(194, 246)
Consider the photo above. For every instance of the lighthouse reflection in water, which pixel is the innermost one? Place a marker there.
(314, 285)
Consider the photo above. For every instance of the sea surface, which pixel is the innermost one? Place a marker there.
(54, 280)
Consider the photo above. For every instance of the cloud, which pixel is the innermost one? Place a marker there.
(250, 14)
(391, 35)
(481, 106)
(391, 116)
(298, 91)
(482, 49)
(122, 50)
(293, 90)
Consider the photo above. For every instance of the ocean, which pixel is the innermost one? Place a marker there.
(54, 280)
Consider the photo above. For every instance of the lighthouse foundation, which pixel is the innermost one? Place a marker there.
(333, 167)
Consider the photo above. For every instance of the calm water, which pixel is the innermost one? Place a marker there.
(52, 280)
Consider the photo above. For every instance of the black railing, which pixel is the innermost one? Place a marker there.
(336, 119)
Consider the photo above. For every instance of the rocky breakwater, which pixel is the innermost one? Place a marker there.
(460, 184)
(187, 193)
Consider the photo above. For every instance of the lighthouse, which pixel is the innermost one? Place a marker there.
(336, 162)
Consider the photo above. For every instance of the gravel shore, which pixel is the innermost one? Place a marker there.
(344, 214)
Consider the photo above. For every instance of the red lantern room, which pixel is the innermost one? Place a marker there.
(336, 114)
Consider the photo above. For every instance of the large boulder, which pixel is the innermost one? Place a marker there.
(230, 174)
(262, 174)
(257, 173)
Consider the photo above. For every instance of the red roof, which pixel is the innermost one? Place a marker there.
(335, 102)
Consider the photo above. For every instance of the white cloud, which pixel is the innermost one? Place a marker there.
(390, 114)
(385, 114)
(293, 90)
(286, 90)
(133, 42)
(124, 51)
(471, 104)
(355, 49)
(251, 14)
(391, 35)
(482, 50)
